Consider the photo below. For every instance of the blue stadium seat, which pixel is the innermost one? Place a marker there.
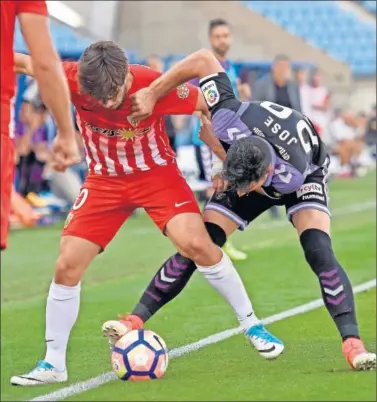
(326, 25)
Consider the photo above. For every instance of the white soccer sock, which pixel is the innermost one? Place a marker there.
(225, 279)
(62, 310)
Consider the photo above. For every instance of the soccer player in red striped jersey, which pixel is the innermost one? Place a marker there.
(131, 165)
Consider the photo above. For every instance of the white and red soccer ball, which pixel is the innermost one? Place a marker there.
(140, 355)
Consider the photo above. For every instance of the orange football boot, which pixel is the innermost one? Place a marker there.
(115, 329)
(357, 356)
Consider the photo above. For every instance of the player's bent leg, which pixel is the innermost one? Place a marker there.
(62, 310)
(313, 227)
(188, 233)
(171, 279)
(264, 342)
(181, 220)
(194, 242)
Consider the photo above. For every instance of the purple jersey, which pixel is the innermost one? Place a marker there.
(295, 147)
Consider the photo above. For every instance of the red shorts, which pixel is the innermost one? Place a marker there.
(7, 170)
(105, 203)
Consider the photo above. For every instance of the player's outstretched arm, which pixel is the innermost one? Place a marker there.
(198, 65)
(207, 135)
(47, 69)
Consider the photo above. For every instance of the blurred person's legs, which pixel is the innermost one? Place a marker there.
(349, 152)
(204, 175)
(31, 174)
(7, 172)
(65, 185)
(81, 169)
(274, 212)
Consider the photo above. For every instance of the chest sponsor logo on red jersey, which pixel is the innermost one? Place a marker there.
(127, 134)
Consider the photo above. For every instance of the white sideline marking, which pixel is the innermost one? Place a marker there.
(104, 378)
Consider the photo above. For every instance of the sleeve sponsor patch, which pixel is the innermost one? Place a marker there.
(211, 93)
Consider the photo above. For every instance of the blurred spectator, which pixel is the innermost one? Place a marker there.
(30, 140)
(343, 139)
(305, 89)
(277, 86)
(371, 130)
(34, 156)
(320, 103)
(244, 92)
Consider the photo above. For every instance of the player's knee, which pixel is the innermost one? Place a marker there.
(66, 272)
(216, 233)
(196, 247)
(318, 250)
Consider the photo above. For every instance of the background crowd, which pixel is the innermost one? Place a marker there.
(351, 135)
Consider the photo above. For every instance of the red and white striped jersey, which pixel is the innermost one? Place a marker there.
(115, 142)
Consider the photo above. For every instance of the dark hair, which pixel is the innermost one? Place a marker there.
(246, 161)
(217, 22)
(102, 70)
(281, 57)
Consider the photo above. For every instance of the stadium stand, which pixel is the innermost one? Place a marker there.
(324, 24)
(370, 5)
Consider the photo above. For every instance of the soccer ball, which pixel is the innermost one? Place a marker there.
(139, 355)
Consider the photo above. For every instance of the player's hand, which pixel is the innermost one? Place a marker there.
(65, 152)
(219, 183)
(142, 103)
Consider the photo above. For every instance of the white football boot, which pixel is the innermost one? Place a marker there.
(44, 373)
(266, 344)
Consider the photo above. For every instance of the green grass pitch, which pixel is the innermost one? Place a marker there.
(276, 276)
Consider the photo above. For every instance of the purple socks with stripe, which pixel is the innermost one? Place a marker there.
(336, 288)
(168, 282)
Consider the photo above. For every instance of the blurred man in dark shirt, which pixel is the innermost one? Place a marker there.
(277, 86)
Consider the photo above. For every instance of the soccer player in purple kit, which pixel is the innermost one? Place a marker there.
(274, 157)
